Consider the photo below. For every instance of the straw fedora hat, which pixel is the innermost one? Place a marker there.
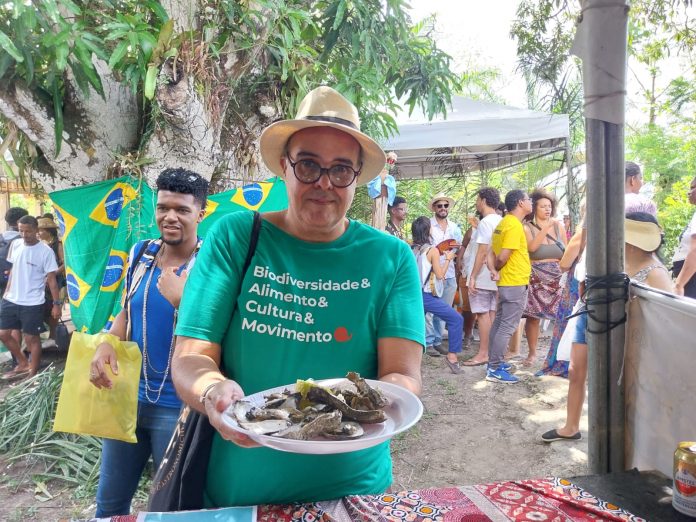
(322, 107)
(440, 197)
(47, 223)
(642, 234)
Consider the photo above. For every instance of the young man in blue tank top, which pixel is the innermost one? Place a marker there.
(157, 271)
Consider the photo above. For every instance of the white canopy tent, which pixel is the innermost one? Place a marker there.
(475, 135)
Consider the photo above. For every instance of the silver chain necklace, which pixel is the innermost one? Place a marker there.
(146, 362)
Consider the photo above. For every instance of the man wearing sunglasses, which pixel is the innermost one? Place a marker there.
(323, 295)
(441, 229)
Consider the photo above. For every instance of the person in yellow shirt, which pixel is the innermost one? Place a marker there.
(508, 262)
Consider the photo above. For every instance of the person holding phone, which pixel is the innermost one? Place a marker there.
(441, 229)
(430, 265)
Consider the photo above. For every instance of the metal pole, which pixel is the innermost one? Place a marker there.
(601, 41)
(617, 309)
(605, 256)
(571, 193)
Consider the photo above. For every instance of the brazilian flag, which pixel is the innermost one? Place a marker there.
(99, 223)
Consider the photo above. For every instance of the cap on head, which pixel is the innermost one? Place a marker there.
(322, 107)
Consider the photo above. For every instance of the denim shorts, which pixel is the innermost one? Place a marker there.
(581, 329)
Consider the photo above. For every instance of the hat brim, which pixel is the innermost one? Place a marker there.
(644, 235)
(275, 137)
(440, 198)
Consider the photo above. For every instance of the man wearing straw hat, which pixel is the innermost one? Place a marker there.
(441, 229)
(322, 295)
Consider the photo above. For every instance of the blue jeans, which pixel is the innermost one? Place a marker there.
(434, 326)
(122, 463)
(454, 320)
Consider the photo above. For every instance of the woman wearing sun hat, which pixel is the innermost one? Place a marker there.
(48, 233)
(643, 238)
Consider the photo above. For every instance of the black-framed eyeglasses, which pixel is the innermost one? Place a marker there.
(309, 171)
(442, 205)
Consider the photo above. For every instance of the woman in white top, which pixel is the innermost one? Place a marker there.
(432, 274)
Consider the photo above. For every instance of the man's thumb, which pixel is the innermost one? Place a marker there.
(114, 365)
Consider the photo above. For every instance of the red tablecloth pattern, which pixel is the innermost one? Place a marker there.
(551, 499)
(539, 500)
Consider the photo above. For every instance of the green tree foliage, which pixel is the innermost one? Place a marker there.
(674, 215)
(657, 30)
(544, 32)
(237, 51)
(668, 158)
(666, 155)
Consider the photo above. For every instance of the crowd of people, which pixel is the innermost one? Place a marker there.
(270, 298)
(32, 283)
(514, 272)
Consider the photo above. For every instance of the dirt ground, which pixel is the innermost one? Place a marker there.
(472, 432)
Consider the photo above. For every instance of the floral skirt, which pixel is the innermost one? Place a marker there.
(545, 290)
(571, 294)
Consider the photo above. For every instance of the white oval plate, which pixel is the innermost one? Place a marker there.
(404, 410)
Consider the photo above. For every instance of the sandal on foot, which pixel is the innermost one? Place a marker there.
(454, 367)
(553, 436)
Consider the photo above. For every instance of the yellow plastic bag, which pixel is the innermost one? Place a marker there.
(84, 409)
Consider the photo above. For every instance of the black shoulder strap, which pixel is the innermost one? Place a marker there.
(549, 236)
(253, 241)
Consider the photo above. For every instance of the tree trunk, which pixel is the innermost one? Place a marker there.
(198, 124)
(95, 128)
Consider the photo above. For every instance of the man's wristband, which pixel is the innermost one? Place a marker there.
(57, 303)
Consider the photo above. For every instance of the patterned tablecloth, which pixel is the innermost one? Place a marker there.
(550, 499)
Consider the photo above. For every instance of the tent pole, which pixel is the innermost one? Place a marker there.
(571, 196)
(605, 256)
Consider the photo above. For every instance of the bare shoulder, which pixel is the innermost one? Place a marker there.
(659, 278)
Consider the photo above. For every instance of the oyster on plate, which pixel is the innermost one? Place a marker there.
(314, 411)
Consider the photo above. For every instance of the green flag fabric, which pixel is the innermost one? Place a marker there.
(99, 223)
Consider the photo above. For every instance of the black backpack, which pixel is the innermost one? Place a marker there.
(5, 265)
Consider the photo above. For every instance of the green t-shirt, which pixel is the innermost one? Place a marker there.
(304, 310)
